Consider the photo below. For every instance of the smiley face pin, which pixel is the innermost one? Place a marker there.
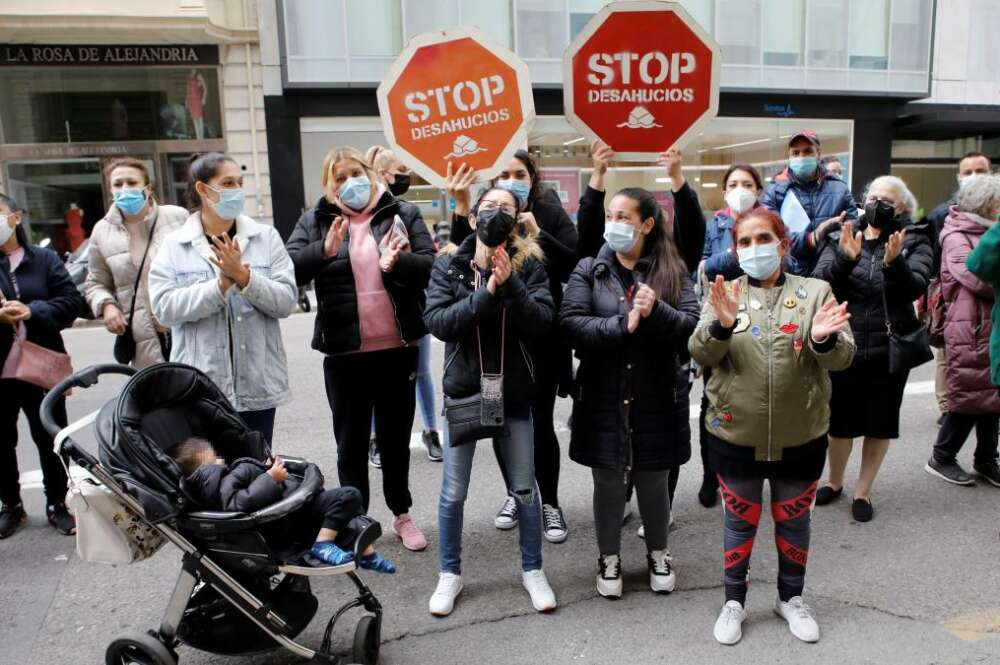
(791, 302)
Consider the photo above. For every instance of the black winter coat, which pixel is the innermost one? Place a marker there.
(860, 283)
(243, 487)
(630, 407)
(558, 240)
(455, 308)
(338, 328)
(46, 288)
(935, 223)
(688, 231)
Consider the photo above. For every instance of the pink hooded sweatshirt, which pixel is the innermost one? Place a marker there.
(376, 313)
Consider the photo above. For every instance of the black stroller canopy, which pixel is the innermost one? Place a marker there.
(158, 408)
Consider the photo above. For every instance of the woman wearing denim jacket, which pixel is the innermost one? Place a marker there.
(487, 302)
(221, 282)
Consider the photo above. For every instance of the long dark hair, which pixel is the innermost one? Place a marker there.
(203, 168)
(19, 232)
(754, 173)
(667, 271)
(531, 167)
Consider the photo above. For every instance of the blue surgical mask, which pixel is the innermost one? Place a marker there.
(803, 167)
(130, 201)
(355, 192)
(520, 188)
(620, 236)
(759, 261)
(230, 203)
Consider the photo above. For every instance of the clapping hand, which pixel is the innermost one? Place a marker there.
(229, 260)
(725, 302)
(391, 254)
(894, 246)
(850, 241)
(14, 311)
(642, 306)
(458, 185)
(334, 237)
(501, 270)
(830, 318)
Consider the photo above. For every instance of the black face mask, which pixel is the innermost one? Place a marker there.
(400, 185)
(879, 214)
(493, 226)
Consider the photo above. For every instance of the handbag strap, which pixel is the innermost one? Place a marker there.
(503, 329)
(138, 277)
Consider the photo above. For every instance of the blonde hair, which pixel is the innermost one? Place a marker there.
(338, 155)
(903, 193)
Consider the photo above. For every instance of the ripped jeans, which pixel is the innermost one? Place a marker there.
(519, 456)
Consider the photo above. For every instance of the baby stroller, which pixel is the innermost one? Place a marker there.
(240, 591)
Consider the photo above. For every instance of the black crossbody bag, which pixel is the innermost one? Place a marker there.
(906, 351)
(124, 350)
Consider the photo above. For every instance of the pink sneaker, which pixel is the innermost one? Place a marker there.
(408, 532)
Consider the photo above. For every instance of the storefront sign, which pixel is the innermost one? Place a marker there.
(642, 77)
(456, 96)
(75, 55)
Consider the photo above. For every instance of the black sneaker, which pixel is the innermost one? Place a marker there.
(433, 445)
(827, 494)
(374, 456)
(60, 519)
(862, 510)
(11, 518)
(708, 495)
(948, 471)
(553, 524)
(989, 472)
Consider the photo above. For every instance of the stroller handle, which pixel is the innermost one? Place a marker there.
(85, 378)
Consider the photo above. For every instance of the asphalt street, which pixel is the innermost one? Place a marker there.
(918, 585)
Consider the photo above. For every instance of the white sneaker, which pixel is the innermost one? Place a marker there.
(609, 579)
(662, 577)
(553, 524)
(506, 518)
(641, 532)
(443, 599)
(799, 617)
(729, 625)
(537, 586)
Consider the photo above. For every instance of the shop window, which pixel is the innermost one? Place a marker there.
(868, 36)
(783, 32)
(109, 104)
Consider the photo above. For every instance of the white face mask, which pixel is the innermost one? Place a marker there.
(6, 230)
(740, 200)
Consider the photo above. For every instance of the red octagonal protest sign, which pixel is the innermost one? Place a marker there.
(456, 96)
(642, 77)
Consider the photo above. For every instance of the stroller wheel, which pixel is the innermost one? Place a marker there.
(137, 648)
(367, 640)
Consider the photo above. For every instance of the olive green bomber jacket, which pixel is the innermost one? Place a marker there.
(770, 386)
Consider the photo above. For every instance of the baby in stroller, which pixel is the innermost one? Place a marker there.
(248, 485)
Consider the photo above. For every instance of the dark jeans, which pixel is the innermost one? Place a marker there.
(709, 478)
(956, 429)
(791, 507)
(16, 396)
(260, 421)
(331, 509)
(383, 383)
(610, 490)
(547, 454)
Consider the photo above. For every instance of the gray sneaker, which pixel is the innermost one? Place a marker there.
(950, 472)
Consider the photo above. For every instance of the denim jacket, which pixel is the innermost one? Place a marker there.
(235, 339)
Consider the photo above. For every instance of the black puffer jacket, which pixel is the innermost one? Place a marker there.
(243, 487)
(455, 308)
(860, 283)
(630, 407)
(338, 328)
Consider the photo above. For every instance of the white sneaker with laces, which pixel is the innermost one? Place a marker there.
(609, 577)
(800, 618)
(553, 524)
(443, 599)
(662, 577)
(506, 518)
(537, 586)
(729, 625)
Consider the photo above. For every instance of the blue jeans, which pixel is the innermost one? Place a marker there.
(519, 456)
(425, 386)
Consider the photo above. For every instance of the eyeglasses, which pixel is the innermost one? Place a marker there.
(506, 207)
(882, 200)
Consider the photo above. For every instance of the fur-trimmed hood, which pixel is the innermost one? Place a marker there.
(520, 247)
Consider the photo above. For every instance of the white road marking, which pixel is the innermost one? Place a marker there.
(33, 479)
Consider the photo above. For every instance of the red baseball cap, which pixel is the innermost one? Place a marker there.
(807, 134)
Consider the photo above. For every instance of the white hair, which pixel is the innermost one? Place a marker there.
(979, 194)
(903, 193)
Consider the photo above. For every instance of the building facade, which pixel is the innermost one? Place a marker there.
(160, 80)
(871, 77)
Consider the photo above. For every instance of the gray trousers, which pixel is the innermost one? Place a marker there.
(609, 503)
